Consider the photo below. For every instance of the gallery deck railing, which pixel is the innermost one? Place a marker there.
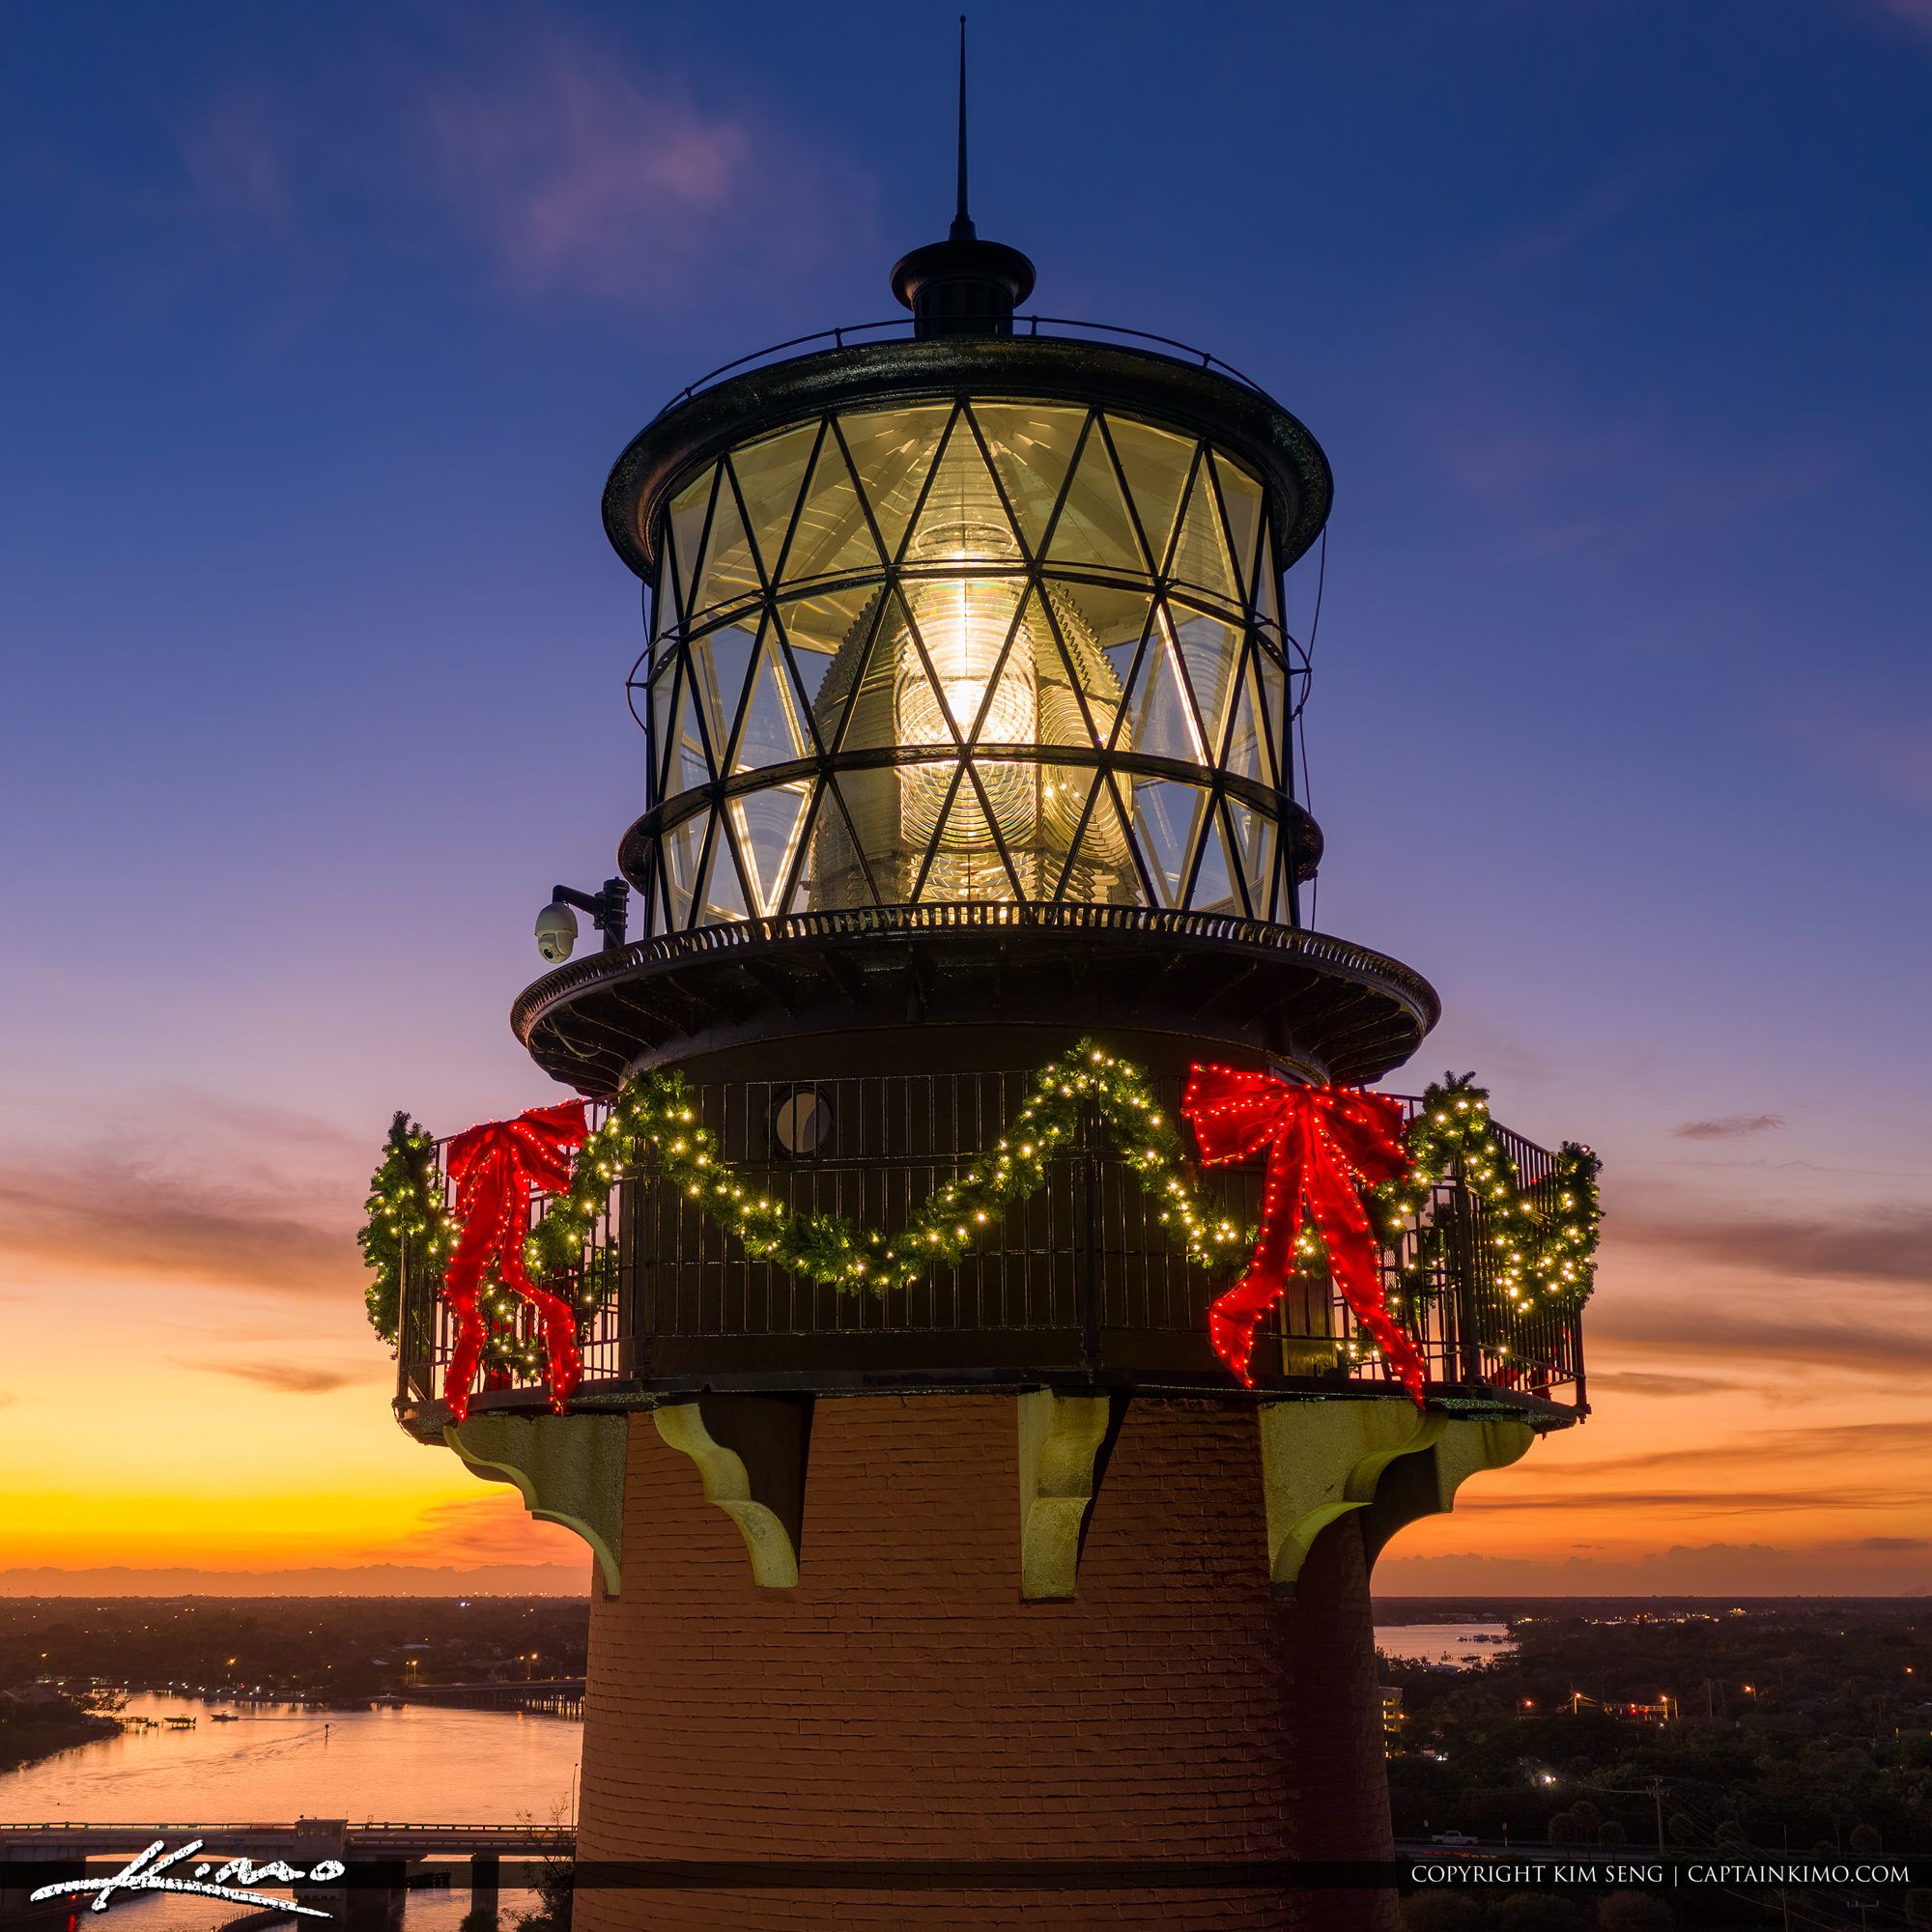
(1079, 1283)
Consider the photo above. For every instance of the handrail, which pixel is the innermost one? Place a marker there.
(857, 921)
(1052, 326)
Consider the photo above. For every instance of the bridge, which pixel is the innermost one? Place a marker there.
(377, 1852)
(558, 1696)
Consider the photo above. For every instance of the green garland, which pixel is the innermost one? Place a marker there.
(655, 1115)
(405, 1211)
(1544, 1235)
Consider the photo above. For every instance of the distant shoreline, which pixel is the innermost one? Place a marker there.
(20, 1746)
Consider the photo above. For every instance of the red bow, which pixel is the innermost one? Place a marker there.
(494, 1168)
(1324, 1144)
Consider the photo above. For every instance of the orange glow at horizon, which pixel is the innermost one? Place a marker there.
(198, 1427)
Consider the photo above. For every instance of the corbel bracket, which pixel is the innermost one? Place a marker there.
(751, 1452)
(1064, 1440)
(567, 1468)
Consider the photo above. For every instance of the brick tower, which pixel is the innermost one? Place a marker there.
(969, 1587)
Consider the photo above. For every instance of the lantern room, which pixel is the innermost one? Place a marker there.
(979, 649)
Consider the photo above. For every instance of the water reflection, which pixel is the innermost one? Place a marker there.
(422, 1763)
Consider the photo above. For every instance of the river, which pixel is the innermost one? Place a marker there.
(422, 1763)
(1448, 1646)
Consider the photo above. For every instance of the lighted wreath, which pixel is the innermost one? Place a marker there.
(1542, 1237)
(1347, 1181)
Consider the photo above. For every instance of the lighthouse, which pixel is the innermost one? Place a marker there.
(1002, 1307)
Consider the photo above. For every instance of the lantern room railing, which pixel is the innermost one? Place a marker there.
(1078, 1284)
(853, 335)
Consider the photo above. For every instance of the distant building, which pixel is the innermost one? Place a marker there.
(1394, 1716)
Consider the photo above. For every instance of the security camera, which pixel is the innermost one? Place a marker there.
(556, 931)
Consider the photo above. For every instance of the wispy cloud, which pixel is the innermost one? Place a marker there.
(235, 153)
(1688, 1503)
(284, 1377)
(1641, 1382)
(492, 1527)
(1561, 476)
(1855, 1566)
(1600, 205)
(1728, 1128)
(566, 166)
(562, 155)
(1713, 1330)
(130, 1219)
(1914, 14)
(1758, 1449)
(1871, 741)
(362, 1580)
(1888, 1243)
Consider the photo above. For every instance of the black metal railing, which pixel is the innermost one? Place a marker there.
(1340, 956)
(855, 334)
(1081, 1280)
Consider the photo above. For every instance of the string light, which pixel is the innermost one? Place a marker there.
(1324, 1144)
(1542, 1237)
(496, 1170)
(1542, 1240)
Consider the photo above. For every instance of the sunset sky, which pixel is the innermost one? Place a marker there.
(322, 327)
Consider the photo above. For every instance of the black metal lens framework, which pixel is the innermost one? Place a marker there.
(977, 648)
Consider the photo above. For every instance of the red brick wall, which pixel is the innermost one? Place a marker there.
(904, 1701)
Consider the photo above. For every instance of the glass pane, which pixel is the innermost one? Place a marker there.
(962, 520)
(1107, 834)
(689, 510)
(1201, 551)
(860, 814)
(663, 717)
(966, 624)
(729, 574)
(1215, 882)
(819, 808)
(1102, 868)
(683, 847)
(1080, 693)
(818, 628)
(1066, 792)
(1031, 444)
(1094, 531)
(1267, 587)
(1161, 717)
(1157, 466)
(770, 474)
(1247, 754)
(1211, 650)
(927, 796)
(1242, 499)
(1254, 853)
(722, 659)
(774, 731)
(724, 897)
(966, 862)
(768, 826)
(1267, 670)
(689, 763)
(892, 451)
(1167, 818)
(664, 598)
(855, 705)
(832, 536)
